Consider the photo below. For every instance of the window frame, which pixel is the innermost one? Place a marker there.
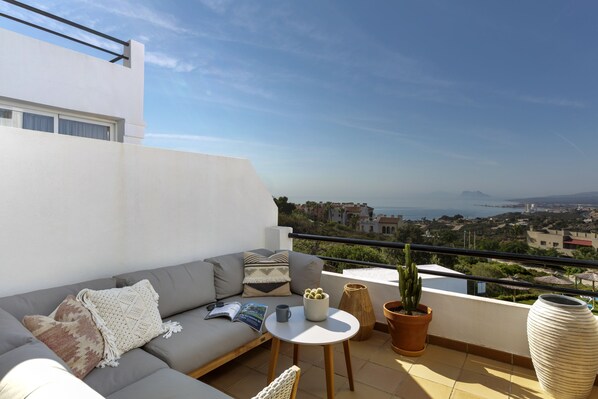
(110, 124)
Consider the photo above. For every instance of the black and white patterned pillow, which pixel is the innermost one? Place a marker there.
(266, 275)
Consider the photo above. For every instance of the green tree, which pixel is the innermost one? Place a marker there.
(284, 206)
(586, 253)
(354, 252)
(516, 247)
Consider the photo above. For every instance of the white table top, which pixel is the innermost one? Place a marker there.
(338, 327)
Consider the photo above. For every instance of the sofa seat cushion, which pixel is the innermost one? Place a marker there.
(133, 366)
(202, 341)
(228, 272)
(166, 383)
(45, 301)
(182, 287)
(12, 333)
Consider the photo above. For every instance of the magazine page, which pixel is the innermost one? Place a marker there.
(253, 314)
(229, 310)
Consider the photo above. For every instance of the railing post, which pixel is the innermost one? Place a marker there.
(277, 238)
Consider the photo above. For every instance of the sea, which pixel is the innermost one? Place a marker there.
(434, 208)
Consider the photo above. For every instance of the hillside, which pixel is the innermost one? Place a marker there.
(588, 198)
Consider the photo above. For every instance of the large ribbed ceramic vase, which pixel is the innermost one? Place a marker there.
(563, 341)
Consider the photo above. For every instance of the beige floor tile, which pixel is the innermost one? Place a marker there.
(301, 394)
(364, 350)
(254, 358)
(340, 367)
(420, 388)
(438, 354)
(223, 377)
(529, 392)
(464, 395)
(523, 371)
(248, 386)
(525, 381)
(375, 341)
(310, 353)
(313, 381)
(283, 363)
(385, 356)
(362, 391)
(437, 372)
(380, 377)
(484, 366)
(486, 386)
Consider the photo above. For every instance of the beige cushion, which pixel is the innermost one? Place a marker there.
(266, 276)
(71, 334)
(127, 317)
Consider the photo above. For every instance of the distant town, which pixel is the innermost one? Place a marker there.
(543, 229)
(557, 229)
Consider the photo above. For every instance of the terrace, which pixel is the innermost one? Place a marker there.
(149, 207)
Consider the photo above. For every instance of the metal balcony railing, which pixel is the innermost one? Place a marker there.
(529, 260)
(118, 56)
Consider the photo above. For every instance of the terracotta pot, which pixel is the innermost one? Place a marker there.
(408, 333)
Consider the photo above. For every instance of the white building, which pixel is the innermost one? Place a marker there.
(52, 89)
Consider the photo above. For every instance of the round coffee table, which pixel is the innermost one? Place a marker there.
(340, 326)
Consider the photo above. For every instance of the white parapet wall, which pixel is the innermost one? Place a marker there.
(480, 321)
(73, 209)
(43, 74)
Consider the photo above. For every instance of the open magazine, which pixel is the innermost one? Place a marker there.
(252, 314)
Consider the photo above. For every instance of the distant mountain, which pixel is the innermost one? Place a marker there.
(473, 195)
(589, 198)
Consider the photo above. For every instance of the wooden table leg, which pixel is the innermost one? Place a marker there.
(348, 363)
(274, 349)
(296, 354)
(329, 367)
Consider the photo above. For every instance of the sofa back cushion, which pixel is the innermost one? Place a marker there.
(180, 287)
(229, 272)
(12, 333)
(45, 301)
(305, 270)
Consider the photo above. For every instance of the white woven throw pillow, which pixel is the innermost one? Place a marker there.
(127, 317)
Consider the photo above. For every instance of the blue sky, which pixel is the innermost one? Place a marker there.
(370, 101)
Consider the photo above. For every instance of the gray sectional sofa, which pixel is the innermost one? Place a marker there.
(163, 368)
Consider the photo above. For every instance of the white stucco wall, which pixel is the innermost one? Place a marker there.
(480, 321)
(73, 209)
(41, 73)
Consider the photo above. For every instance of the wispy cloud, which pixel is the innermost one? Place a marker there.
(217, 6)
(572, 144)
(169, 62)
(139, 11)
(208, 139)
(358, 126)
(554, 101)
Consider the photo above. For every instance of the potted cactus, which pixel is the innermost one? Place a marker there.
(315, 304)
(407, 319)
